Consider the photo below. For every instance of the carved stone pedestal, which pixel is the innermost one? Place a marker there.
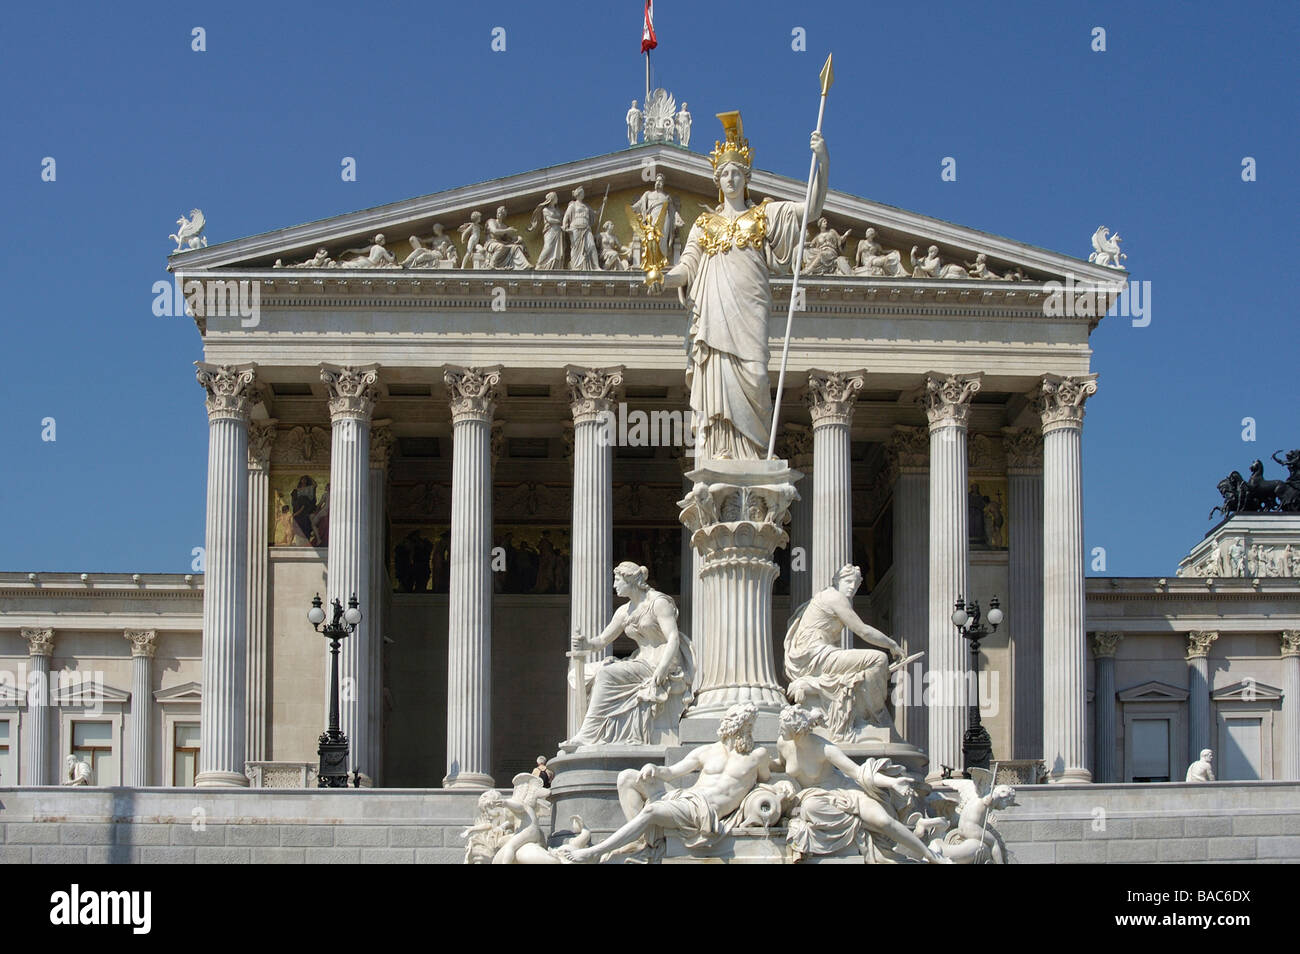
(736, 511)
(586, 783)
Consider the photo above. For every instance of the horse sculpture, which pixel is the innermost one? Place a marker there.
(1257, 495)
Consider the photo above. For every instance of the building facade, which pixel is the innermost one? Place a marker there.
(469, 446)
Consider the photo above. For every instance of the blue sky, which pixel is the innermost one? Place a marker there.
(1051, 140)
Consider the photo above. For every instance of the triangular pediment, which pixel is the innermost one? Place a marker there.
(88, 692)
(627, 175)
(1247, 691)
(1153, 692)
(185, 692)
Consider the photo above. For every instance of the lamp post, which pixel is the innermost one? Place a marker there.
(333, 751)
(976, 746)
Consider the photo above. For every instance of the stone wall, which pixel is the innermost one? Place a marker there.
(1173, 822)
(1224, 822)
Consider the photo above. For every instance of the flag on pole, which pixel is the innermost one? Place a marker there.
(648, 39)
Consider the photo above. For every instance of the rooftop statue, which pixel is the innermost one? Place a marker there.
(374, 255)
(725, 273)
(1257, 495)
(548, 216)
(1105, 249)
(190, 234)
(876, 261)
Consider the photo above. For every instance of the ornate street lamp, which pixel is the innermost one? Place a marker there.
(976, 746)
(333, 751)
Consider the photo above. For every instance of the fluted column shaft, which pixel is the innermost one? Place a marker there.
(1199, 728)
(909, 452)
(798, 450)
(261, 436)
(831, 396)
(38, 750)
(947, 402)
(1065, 678)
(1291, 705)
(352, 396)
(473, 396)
(223, 713)
(379, 588)
(735, 511)
(593, 397)
(138, 768)
(1105, 763)
(1025, 600)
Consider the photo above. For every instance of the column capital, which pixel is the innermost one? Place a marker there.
(1105, 644)
(796, 446)
(230, 388)
(1198, 643)
(381, 444)
(832, 394)
(352, 390)
(1290, 642)
(143, 641)
(1059, 399)
(592, 391)
(261, 438)
(908, 450)
(472, 392)
(40, 642)
(1024, 449)
(947, 397)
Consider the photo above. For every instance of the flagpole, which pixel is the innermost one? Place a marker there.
(827, 77)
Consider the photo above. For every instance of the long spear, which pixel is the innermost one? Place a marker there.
(827, 77)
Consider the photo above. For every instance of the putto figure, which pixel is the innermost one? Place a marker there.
(639, 699)
(728, 769)
(725, 269)
(850, 685)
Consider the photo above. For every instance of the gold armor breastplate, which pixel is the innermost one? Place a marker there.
(720, 234)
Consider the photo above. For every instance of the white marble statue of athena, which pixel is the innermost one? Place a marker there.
(725, 269)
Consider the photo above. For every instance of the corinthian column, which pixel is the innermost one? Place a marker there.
(352, 397)
(947, 405)
(1103, 652)
(1065, 681)
(735, 512)
(261, 435)
(831, 396)
(798, 451)
(38, 752)
(592, 400)
(1198, 693)
(909, 460)
(1291, 704)
(143, 644)
(223, 714)
(379, 588)
(473, 395)
(1025, 601)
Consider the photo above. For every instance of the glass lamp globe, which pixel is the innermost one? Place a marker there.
(352, 616)
(995, 616)
(959, 617)
(316, 615)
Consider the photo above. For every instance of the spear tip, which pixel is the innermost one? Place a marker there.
(827, 75)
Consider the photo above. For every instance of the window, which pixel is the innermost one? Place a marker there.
(1241, 740)
(8, 770)
(1150, 744)
(92, 743)
(185, 754)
